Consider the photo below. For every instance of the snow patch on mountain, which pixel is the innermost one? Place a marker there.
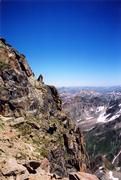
(100, 108)
(102, 117)
(111, 176)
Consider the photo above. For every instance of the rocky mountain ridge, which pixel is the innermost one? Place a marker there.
(35, 134)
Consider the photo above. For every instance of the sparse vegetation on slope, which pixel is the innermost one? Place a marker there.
(35, 126)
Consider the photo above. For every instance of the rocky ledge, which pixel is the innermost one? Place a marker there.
(34, 131)
(36, 170)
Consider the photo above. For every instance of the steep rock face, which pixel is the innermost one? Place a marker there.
(32, 119)
(20, 91)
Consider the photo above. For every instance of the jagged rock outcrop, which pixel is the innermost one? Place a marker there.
(21, 93)
(32, 123)
(35, 170)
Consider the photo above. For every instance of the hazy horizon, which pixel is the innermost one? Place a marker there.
(89, 86)
(71, 43)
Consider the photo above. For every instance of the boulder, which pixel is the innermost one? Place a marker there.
(10, 167)
(45, 165)
(17, 121)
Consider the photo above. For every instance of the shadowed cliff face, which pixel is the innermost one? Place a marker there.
(32, 119)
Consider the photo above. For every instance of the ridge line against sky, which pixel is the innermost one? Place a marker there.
(72, 43)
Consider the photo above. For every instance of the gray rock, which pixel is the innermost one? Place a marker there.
(17, 121)
(10, 167)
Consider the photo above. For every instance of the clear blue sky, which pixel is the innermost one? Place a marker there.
(71, 43)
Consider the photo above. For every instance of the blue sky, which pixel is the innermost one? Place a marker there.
(72, 43)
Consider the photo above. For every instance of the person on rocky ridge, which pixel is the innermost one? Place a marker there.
(40, 79)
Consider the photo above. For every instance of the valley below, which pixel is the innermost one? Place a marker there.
(97, 112)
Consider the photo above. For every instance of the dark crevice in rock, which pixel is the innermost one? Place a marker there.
(74, 163)
(32, 166)
(52, 129)
(11, 106)
(22, 66)
(66, 141)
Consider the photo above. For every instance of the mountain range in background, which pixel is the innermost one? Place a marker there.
(97, 112)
